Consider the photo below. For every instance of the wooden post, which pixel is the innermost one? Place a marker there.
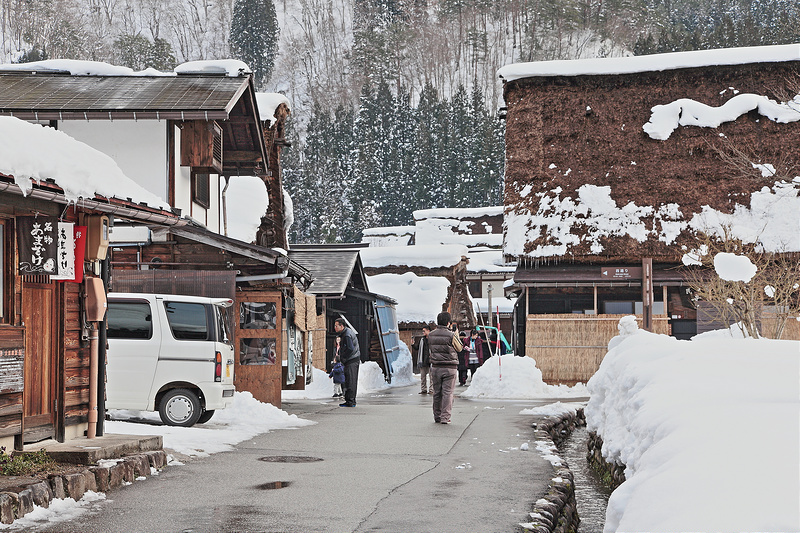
(595, 298)
(647, 293)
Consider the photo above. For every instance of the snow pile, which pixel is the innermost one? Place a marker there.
(370, 378)
(403, 368)
(481, 305)
(419, 299)
(388, 236)
(247, 201)
(677, 414)
(268, 103)
(244, 420)
(59, 510)
(732, 267)
(553, 409)
(652, 63)
(422, 256)
(772, 219)
(687, 112)
(321, 386)
(80, 170)
(512, 377)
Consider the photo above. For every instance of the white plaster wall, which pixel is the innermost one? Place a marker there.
(138, 147)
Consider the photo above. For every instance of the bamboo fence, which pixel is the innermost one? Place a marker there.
(569, 348)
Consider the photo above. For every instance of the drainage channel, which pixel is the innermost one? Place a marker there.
(591, 496)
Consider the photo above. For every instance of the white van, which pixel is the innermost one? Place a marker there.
(171, 354)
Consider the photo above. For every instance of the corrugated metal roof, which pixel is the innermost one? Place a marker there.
(55, 96)
(332, 269)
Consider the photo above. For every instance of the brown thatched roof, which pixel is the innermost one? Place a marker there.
(565, 132)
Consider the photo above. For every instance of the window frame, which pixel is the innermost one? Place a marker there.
(201, 185)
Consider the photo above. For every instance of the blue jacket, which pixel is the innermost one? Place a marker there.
(337, 373)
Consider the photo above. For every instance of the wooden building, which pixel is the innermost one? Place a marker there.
(340, 286)
(51, 322)
(602, 204)
(185, 137)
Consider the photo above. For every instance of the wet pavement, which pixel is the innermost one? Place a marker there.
(383, 466)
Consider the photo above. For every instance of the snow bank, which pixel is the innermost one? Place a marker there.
(244, 420)
(684, 417)
(512, 377)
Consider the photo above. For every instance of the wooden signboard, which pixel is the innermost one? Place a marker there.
(620, 273)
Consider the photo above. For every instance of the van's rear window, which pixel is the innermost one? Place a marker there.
(188, 321)
(129, 320)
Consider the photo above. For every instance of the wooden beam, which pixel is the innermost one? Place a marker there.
(241, 156)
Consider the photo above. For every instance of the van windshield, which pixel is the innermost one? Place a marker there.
(223, 324)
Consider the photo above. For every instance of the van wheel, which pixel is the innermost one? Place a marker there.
(180, 407)
(205, 417)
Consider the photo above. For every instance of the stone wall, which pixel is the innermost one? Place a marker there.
(15, 505)
(612, 474)
(556, 511)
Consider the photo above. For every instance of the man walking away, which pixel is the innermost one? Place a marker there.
(423, 360)
(444, 347)
(350, 355)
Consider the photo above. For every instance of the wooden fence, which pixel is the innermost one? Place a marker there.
(569, 348)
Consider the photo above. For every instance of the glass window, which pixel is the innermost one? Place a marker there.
(258, 352)
(257, 315)
(201, 189)
(188, 321)
(129, 320)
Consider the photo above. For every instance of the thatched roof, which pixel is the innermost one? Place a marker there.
(585, 182)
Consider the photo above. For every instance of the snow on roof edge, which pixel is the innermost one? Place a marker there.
(651, 63)
(457, 212)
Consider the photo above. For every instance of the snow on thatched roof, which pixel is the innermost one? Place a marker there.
(651, 63)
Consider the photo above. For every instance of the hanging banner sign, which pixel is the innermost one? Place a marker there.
(38, 245)
(80, 252)
(66, 252)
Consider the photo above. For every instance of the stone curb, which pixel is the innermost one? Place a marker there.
(556, 511)
(95, 478)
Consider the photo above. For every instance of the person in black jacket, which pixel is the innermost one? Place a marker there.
(350, 355)
(423, 352)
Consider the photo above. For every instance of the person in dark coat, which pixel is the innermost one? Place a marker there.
(463, 356)
(444, 346)
(350, 355)
(475, 352)
(337, 374)
(423, 352)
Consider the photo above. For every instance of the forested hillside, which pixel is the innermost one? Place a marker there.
(394, 101)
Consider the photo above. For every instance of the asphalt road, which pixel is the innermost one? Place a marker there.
(383, 466)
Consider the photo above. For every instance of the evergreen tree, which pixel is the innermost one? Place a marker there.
(254, 37)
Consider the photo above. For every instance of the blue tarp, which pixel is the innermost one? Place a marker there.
(389, 334)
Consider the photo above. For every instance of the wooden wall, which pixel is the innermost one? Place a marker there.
(12, 353)
(569, 348)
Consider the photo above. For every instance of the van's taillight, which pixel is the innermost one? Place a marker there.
(218, 367)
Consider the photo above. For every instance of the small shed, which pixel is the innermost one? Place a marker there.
(340, 287)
